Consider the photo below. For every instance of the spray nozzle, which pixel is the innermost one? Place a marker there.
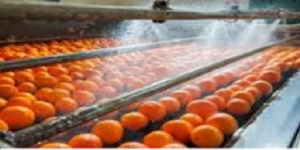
(161, 5)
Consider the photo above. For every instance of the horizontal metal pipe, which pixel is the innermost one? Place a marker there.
(44, 130)
(50, 11)
(35, 62)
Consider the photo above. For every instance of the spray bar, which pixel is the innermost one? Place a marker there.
(35, 62)
(44, 130)
(59, 11)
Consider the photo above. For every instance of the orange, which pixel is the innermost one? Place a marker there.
(3, 103)
(218, 100)
(66, 105)
(91, 72)
(56, 145)
(221, 79)
(207, 136)
(57, 71)
(208, 85)
(39, 69)
(238, 107)
(64, 78)
(20, 101)
(116, 84)
(65, 86)
(17, 117)
(85, 140)
(43, 94)
(174, 145)
(251, 78)
(8, 74)
(110, 131)
(3, 126)
(157, 139)
(235, 88)
(45, 81)
(242, 83)
(57, 94)
(22, 76)
(42, 74)
(107, 91)
(75, 68)
(193, 119)
(84, 98)
(194, 90)
(154, 111)
(202, 108)
(183, 96)
(131, 145)
(225, 122)
(134, 84)
(244, 95)
(98, 80)
(27, 87)
(254, 91)
(7, 80)
(76, 75)
(179, 129)
(225, 94)
(134, 121)
(7, 90)
(43, 110)
(270, 76)
(172, 104)
(25, 94)
(264, 87)
(86, 85)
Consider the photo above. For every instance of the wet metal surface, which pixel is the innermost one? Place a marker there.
(277, 124)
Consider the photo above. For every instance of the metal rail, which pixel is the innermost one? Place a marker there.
(58, 11)
(44, 130)
(35, 62)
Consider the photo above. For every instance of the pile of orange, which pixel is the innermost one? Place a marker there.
(207, 120)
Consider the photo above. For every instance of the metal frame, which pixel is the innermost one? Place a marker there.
(57, 11)
(44, 130)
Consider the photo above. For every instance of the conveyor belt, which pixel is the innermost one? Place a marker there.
(46, 129)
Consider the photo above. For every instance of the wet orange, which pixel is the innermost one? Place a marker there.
(179, 129)
(202, 108)
(225, 122)
(244, 95)
(27, 87)
(20, 101)
(85, 140)
(154, 111)
(270, 76)
(238, 107)
(132, 145)
(207, 136)
(193, 119)
(183, 96)
(7, 90)
(194, 90)
(264, 87)
(157, 139)
(43, 110)
(3, 126)
(218, 100)
(22, 76)
(110, 131)
(207, 85)
(172, 104)
(17, 117)
(225, 94)
(134, 121)
(56, 145)
(7, 80)
(84, 98)
(66, 105)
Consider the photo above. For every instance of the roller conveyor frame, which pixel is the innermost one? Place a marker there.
(44, 130)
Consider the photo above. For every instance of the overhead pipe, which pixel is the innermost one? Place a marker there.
(59, 11)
